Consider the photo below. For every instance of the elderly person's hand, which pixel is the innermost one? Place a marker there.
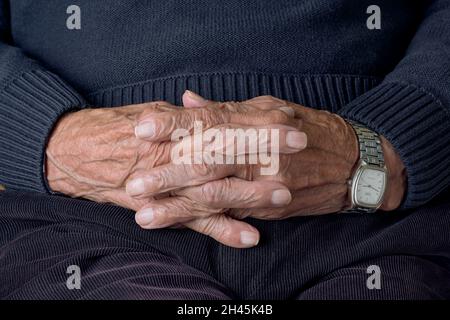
(316, 177)
(94, 152)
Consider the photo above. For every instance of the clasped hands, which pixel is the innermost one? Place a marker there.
(124, 156)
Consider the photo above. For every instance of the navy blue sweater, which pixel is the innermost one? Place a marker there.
(319, 53)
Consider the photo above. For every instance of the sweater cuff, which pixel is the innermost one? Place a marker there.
(417, 125)
(32, 104)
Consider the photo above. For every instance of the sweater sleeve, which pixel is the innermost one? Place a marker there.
(31, 101)
(411, 107)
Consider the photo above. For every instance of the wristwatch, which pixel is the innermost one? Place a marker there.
(368, 183)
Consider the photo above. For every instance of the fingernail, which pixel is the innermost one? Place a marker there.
(145, 130)
(296, 140)
(281, 197)
(144, 216)
(289, 111)
(135, 187)
(248, 238)
(195, 96)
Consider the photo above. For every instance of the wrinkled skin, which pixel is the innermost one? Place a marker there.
(94, 154)
(316, 177)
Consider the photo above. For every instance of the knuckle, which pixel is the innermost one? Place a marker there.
(250, 196)
(278, 116)
(262, 102)
(202, 170)
(159, 104)
(265, 98)
(216, 228)
(210, 193)
(216, 192)
(210, 226)
(231, 106)
(159, 181)
(155, 106)
(224, 234)
(273, 100)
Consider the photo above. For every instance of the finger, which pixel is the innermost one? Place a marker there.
(171, 211)
(175, 176)
(238, 140)
(268, 103)
(151, 107)
(163, 126)
(194, 168)
(293, 109)
(226, 230)
(193, 100)
(325, 199)
(238, 193)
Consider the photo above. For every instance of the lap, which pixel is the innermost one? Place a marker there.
(385, 278)
(41, 244)
(111, 275)
(40, 236)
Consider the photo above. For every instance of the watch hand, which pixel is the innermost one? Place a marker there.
(369, 186)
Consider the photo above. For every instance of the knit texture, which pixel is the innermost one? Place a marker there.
(318, 53)
(408, 117)
(25, 133)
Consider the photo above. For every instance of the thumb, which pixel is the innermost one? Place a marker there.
(193, 100)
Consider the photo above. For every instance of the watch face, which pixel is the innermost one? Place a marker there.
(370, 187)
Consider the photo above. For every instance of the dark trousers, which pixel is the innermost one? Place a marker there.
(324, 257)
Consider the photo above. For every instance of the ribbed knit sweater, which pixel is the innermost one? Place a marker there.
(319, 53)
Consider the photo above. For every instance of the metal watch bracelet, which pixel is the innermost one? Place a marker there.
(370, 151)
